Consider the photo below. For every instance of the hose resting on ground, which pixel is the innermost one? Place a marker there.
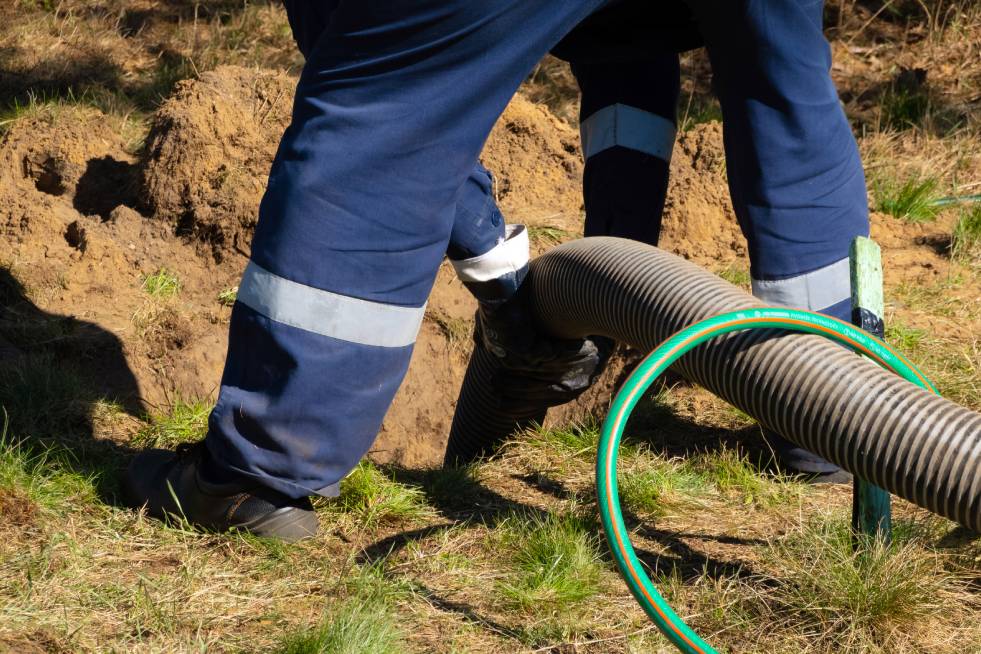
(823, 397)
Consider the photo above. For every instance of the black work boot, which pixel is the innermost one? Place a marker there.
(796, 460)
(171, 484)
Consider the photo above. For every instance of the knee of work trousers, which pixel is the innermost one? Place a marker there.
(627, 126)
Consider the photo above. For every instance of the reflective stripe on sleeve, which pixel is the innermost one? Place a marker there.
(628, 127)
(816, 290)
(328, 314)
(508, 256)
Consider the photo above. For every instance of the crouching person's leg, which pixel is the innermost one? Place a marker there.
(390, 114)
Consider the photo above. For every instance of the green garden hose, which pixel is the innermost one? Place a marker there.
(637, 384)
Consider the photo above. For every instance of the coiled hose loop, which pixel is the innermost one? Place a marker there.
(637, 384)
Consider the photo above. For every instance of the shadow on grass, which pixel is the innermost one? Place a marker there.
(690, 563)
(58, 375)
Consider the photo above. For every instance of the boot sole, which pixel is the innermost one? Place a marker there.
(286, 524)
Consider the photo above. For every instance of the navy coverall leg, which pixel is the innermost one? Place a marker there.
(794, 171)
(391, 111)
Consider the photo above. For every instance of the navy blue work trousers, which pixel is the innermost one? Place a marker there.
(375, 180)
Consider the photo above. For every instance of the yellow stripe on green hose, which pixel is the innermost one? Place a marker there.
(640, 380)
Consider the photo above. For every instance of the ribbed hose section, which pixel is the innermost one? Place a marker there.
(826, 399)
(481, 424)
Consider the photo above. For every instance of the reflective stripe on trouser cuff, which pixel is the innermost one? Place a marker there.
(816, 290)
(628, 127)
(328, 314)
(507, 257)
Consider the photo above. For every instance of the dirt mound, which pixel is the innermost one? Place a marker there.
(209, 151)
(536, 163)
(212, 143)
(699, 222)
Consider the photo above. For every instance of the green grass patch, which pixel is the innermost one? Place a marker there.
(576, 439)
(365, 622)
(656, 486)
(161, 284)
(838, 592)
(548, 235)
(911, 200)
(732, 474)
(32, 476)
(906, 338)
(965, 242)
(904, 108)
(556, 561)
(184, 422)
(373, 498)
(227, 297)
(736, 275)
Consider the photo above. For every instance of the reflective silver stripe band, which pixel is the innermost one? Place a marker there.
(508, 256)
(328, 314)
(629, 127)
(816, 290)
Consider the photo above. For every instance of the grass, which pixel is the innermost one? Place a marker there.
(365, 622)
(514, 566)
(36, 479)
(555, 559)
(732, 474)
(457, 331)
(575, 439)
(695, 110)
(43, 398)
(911, 200)
(161, 284)
(903, 108)
(372, 498)
(183, 422)
(453, 486)
(736, 275)
(965, 242)
(844, 597)
(227, 297)
(548, 235)
(904, 337)
(656, 486)
(954, 367)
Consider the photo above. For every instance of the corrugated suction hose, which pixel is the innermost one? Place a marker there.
(823, 397)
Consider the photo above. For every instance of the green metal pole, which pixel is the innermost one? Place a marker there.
(871, 505)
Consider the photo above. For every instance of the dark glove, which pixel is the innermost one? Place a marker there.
(536, 370)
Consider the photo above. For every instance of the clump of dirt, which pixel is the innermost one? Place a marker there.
(76, 156)
(699, 221)
(536, 163)
(209, 151)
